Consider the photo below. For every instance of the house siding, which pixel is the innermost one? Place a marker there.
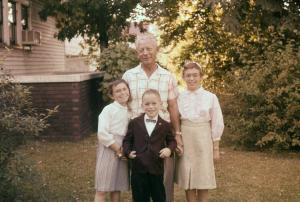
(44, 69)
(47, 57)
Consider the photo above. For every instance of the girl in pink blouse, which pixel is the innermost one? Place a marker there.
(201, 126)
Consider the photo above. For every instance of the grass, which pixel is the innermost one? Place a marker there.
(66, 173)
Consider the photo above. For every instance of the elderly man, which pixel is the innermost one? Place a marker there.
(148, 74)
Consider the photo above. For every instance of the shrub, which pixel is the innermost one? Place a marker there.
(18, 121)
(114, 61)
(265, 107)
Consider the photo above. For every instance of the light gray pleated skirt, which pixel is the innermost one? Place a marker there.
(111, 172)
(195, 168)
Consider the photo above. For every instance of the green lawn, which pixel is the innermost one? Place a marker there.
(65, 172)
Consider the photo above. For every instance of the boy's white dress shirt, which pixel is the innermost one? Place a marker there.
(150, 125)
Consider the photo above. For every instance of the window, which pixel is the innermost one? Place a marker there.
(1, 21)
(12, 22)
(14, 19)
(24, 17)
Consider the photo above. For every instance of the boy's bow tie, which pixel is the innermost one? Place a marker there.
(151, 120)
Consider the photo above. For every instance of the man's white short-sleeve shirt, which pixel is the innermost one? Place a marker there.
(161, 80)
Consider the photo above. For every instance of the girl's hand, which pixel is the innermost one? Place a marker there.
(132, 155)
(216, 154)
(165, 152)
(123, 158)
(121, 155)
(216, 151)
(117, 149)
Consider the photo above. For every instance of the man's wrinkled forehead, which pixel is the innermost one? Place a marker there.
(145, 41)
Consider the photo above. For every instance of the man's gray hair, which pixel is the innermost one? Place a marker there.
(144, 36)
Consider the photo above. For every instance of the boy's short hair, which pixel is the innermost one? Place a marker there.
(151, 91)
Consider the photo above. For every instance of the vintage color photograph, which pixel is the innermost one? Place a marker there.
(158, 100)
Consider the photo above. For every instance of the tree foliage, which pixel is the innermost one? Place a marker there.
(215, 30)
(239, 43)
(102, 20)
(265, 107)
(114, 61)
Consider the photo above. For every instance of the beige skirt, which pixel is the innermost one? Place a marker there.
(195, 168)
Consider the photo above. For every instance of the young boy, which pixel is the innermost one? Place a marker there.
(147, 142)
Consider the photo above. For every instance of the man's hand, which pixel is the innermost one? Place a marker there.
(132, 155)
(165, 152)
(179, 148)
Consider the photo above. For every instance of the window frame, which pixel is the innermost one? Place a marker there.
(14, 12)
(13, 25)
(1, 21)
(26, 17)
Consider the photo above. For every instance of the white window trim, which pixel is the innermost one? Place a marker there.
(5, 33)
(5, 23)
(18, 25)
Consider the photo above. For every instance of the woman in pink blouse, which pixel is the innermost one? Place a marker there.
(202, 126)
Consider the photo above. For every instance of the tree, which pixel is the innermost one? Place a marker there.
(102, 20)
(250, 50)
(114, 61)
(265, 111)
(216, 31)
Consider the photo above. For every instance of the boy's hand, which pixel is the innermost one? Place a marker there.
(132, 155)
(165, 152)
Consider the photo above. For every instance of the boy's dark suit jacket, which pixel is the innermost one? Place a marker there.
(147, 147)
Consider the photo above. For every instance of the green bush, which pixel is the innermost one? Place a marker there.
(264, 110)
(114, 61)
(18, 122)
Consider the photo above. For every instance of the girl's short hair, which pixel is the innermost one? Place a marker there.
(114, 83)
(192, 65)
